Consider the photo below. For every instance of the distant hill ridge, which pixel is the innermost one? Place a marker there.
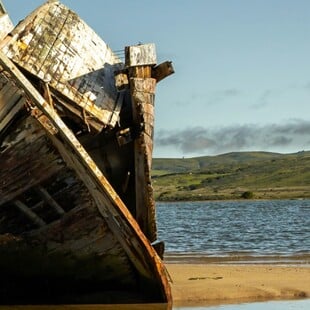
(228, 176)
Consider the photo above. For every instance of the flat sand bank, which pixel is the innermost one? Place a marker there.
(221, 284)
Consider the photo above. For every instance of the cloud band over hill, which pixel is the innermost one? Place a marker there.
(293, 134)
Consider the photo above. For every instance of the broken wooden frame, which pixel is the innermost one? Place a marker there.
(112, 209)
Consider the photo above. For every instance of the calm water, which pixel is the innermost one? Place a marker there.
(258, 228)
(270, 305)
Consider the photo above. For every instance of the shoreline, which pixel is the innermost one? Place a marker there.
(235, 199)
(300, 259)
(195, 283)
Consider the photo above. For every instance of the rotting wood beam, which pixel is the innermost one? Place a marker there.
(30, 214)
(162, 70)
(145, 205)
(139, 61)
(50, 200)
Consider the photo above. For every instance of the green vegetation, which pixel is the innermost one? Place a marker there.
(239, 175)
(247, 195)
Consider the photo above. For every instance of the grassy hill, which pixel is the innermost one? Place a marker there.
(228, 176)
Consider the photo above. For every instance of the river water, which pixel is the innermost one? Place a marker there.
(270, 305)
(259, 229)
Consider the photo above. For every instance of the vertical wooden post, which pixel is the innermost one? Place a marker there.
(139, 60)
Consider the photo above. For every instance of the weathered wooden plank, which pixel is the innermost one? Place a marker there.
(54, 44)
(162, 71)
(140, 55)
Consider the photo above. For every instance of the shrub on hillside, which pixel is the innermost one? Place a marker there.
(247, 195)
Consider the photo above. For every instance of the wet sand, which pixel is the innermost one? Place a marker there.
(233, 283)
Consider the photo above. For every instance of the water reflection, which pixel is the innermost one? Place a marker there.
(269, 305)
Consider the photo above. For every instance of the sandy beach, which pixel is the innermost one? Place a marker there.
(221, 284)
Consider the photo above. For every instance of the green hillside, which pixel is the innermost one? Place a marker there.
(262, 175)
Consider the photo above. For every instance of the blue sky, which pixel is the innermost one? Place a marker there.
(242, 78)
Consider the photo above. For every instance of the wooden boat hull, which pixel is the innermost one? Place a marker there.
(71, 229)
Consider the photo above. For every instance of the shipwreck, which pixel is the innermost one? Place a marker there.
(77, 214)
